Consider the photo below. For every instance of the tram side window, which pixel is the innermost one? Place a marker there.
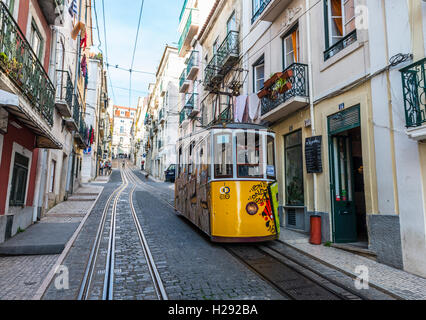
(180, 160)
(191, 158)
(270, 170)
(208, 159)
(223, 155)
(250, 162)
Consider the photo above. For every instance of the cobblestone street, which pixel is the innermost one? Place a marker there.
(188, 265)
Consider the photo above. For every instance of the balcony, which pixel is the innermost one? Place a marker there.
(340, 45)
(23, 69)
(278, 105)
(184, 115)
(191, 104)
(161, 116)
(190, 30)
(183, 83)
(51, 9)
(162, 89)
(64, 93)
(414, 91)
(223, 61)
(82, 136)
(193, 66)
(269, 10)
(224, 117)
(73, 122)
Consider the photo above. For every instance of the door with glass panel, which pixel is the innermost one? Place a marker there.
(342, 189)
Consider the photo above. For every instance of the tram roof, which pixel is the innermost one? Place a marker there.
(233, 125)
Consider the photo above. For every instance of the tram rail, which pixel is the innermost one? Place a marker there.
(129, 181)
(268, 258)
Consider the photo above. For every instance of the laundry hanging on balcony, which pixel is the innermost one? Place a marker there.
(83, 66)
(73, 10)
(92, 135)
(254, 107)
(83, 42)
(240, 108)
(79, 28)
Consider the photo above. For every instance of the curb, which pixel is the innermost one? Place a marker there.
(46, 282)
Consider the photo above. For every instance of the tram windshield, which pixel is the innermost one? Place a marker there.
(228, 154)
(223, 167)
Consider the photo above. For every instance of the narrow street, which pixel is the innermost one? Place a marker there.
(141, 249)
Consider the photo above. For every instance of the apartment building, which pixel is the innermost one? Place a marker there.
(37, 96)
(123, 118)
(349, 133)
(163, 114)
(94, 104)
(191, 20)
(140, 138)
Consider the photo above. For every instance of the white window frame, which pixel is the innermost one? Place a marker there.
(344, 22)
(255, 78)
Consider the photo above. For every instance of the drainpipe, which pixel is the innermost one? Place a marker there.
(311, 95)
(70, 184)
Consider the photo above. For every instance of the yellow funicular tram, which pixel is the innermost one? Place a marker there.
(226, 182)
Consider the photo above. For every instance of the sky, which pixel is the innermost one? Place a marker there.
(159, 26)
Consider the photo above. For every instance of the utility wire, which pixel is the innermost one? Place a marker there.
(134, 52)
(106, 50)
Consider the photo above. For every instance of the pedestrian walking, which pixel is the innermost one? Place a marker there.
(101, 168)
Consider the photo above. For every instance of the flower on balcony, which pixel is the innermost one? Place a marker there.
(278, 83)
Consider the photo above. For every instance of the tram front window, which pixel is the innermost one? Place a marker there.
(250, 161)
(223, 155)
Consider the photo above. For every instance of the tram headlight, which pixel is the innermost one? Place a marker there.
(252, 208)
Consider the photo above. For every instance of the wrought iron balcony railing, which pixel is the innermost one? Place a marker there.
(193, 61)
(185, 32)
(76, 111)
(224, 116)
(182, 78)
(222, 62)
(64, 87)
(299, 87)
(161, 114)
(21, 65)
(191, 100)
(229, 47)
(414, 90)
(184, 115)
(183, 10)
(340, 45)
(257, 10)
(211, 73)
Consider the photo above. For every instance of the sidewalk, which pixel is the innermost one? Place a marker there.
(393, 281)
(32, 254)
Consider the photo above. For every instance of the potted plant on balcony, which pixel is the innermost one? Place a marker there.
(16, 70)
(4, 60)
(272, 79)
(262, 93)
(283, 85)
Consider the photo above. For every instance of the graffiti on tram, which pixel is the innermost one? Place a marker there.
(259, 194)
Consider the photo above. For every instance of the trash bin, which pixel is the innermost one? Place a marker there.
(315, 230)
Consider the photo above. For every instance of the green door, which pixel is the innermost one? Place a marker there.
(342, 190)
(344, 216)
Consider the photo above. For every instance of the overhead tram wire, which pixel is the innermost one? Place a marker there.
(100, 45)
(106, 50)
(134, 52)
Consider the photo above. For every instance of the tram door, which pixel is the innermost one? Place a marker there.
(342, 189)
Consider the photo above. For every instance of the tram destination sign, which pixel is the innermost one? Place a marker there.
(313, 154)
